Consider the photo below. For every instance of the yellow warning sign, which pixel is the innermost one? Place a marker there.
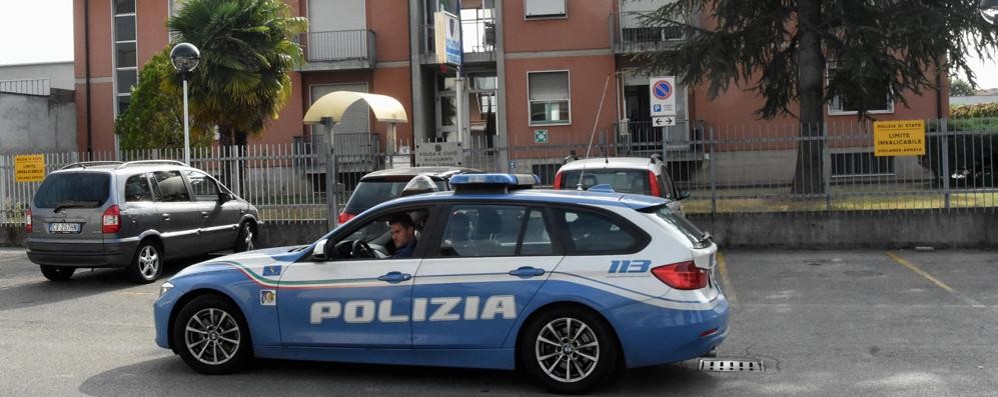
(899, 138)
(29, 168)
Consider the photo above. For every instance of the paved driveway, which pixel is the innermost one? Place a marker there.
(822, 322)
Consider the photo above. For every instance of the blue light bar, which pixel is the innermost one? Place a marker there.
(495, 180)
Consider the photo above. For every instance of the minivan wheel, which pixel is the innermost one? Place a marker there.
(246, 240)
(57, 273)
(568, 350)
(147, 265)
(211, 336)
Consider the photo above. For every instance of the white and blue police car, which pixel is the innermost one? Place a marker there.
(567, 285)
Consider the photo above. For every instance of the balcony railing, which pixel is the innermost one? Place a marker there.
(338, 50)
(629, 35)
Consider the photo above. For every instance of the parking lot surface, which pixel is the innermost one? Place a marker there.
(828, 323)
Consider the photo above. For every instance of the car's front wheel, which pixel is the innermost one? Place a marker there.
(57, 273)
(568, 350)
(211, 336)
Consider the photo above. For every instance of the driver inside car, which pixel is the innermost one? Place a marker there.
(403, 235)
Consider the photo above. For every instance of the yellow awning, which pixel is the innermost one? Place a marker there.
(333, 104)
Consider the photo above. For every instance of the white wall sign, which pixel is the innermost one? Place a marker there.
(439, 154)
(661, 92)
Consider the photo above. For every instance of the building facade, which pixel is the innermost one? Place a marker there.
(534, 72)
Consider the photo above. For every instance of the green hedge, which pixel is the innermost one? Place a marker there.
(980, 110)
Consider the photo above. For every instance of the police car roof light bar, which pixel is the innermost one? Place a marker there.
(493, 183)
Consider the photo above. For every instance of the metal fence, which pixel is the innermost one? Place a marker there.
(780, 168)
(339, 45)
(760, 168)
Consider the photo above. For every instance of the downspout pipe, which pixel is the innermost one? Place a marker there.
(86, 61)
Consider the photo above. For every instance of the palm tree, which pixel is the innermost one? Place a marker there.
(247, 54)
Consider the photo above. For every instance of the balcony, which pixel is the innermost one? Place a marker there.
(338, 50)
(629, 35)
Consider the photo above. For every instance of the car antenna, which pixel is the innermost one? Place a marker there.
(592, 135)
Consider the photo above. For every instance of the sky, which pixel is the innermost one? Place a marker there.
(34, 31)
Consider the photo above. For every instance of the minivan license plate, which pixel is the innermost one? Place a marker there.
(64, 227)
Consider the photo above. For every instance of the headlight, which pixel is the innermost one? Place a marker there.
(163, 289)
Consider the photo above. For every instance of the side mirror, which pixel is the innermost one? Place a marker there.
(223, 197)
(319, 252)
(684, 195)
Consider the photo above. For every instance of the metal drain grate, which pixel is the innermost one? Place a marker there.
(721, 365)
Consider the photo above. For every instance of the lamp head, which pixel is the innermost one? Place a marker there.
(185, 57)
(989, 10)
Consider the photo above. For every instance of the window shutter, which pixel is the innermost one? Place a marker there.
(548, 86)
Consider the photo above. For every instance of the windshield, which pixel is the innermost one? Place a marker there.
(622, 181)
(371, 193)
(691, 231)
(73, 189)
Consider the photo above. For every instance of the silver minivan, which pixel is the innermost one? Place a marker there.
(133, 215)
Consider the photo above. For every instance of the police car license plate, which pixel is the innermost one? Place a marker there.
(64, 227)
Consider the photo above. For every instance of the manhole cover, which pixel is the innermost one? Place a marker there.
(722, 365)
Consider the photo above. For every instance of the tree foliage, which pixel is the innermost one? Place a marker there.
(871, 44)
(247, 54)
(958, 87)
(783, 49)
(154, 117)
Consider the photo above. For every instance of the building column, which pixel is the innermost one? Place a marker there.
(501, 133)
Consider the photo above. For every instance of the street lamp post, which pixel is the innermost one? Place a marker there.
(185, 57)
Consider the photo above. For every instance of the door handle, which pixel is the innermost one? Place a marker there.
(526, 271)
(204, 214)
(166, 217)
(395, 277)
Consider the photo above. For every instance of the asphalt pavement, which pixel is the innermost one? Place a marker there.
(823, 323)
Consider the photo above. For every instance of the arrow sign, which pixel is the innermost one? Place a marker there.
(664, 121)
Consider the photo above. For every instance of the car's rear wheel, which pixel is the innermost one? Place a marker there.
(568, 350)
(147, 265)
(57, 273)
(246, 240)
(211, 336)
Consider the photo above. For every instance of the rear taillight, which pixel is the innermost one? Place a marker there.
(27, 221)
(653, 182)
(557, 180)
(683, 275)
(344, 217)
(111, 221)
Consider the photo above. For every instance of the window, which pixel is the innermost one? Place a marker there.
(622, 181)
(375, 240)
(171, 186)
(865, 163)
(536, 9)
(595, 234)
(125, 62)
(203, 187)
(137, 189)
(549, 97)
(546, 172)
(80, 189)
(877, 100)
(495, 230)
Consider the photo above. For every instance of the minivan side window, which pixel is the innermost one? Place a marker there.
(137, 189)
(171, 186)
(203, 187)
(591, 233)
